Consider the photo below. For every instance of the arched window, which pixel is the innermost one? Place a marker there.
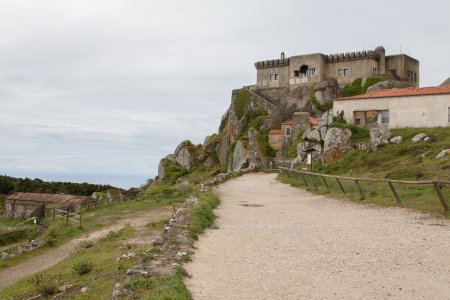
(303, 70)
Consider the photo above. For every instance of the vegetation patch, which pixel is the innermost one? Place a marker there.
(319, 106)
(203, 216)
(357, 88)
(241, 101)
(172, 171)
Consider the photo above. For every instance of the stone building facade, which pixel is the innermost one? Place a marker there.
(398, 108)
(308, 69)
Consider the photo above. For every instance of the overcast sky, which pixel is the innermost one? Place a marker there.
(109, 87)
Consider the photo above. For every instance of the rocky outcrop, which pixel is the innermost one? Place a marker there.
(241, 156)
(314, 136)
(161, 169)
(326, 91)
(446, 82)
(379, 136)
(419, 137)
(337, 142)
(304, 147)
(388, 84)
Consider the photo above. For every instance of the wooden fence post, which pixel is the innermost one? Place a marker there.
(67, 217)
(312, 180)
(360, 189)
(340, 185)
(397, 198)
(326, 183)
(54, 212)
(304, 180)
(440, 196)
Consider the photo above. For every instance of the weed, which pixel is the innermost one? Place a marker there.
(83, 267)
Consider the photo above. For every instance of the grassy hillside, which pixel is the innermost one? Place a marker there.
(406, 161)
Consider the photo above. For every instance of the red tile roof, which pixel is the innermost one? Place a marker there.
(289, 122)
(275, 131)
(51, 198)
(313, 121)
(433, 90)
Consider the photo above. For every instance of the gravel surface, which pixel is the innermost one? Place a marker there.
(298, 245)
(51, 257)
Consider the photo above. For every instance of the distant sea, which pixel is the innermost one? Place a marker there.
(121, 181)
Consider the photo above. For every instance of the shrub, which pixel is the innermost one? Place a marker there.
(173, 171)
(263, 140)
(203, 216)
(44, 286)
(312, 98)
(83, 267)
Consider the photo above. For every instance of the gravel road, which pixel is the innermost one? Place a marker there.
(298, 245)
(51, 257)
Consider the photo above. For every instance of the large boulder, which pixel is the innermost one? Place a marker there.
(184, 158)
(379, 136)
(340, 137)
(308, 146)
(314, 136)
(241, 156)
(161, 169)
(326, 119)
(387, 84)
(337, 142)
(326, 90)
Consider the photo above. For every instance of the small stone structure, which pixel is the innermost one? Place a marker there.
(27, 205)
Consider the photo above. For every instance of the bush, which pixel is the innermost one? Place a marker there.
(312, 98)
(263, 141)
(43, 286)
(173, 171)
(83, 267)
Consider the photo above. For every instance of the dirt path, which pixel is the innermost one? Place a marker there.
(302, 246)
(45, 260)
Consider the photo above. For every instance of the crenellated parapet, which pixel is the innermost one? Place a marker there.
(348, 56)
(272, 63)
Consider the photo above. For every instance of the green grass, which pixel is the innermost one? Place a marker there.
(419, 197)
(407, 161)
(158, 288)
(100, 280)
(203, 216)
(96, 218)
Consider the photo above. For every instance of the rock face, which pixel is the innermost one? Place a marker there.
(337, 143)
(388, 84)
(241, 156)
(314, 136)
(326, 91)
(396, 140)
(307, 146)
(161, 170)
(446, 82)
(379, 136)
(418, 137)
(443, 153)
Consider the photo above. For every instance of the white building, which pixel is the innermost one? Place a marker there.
(398, 108)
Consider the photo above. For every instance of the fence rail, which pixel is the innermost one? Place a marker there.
(435, 183)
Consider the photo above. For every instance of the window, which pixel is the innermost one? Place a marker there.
(311, 72)
(449, 114)
(415, 77)
(384, 116)
(274, 77)
(374, 70)
(303, 70)
(288, 131)
(296, 73)
(344, 72)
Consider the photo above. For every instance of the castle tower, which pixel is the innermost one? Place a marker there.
(381, 60)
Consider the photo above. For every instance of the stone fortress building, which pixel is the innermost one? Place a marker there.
(308, 69)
